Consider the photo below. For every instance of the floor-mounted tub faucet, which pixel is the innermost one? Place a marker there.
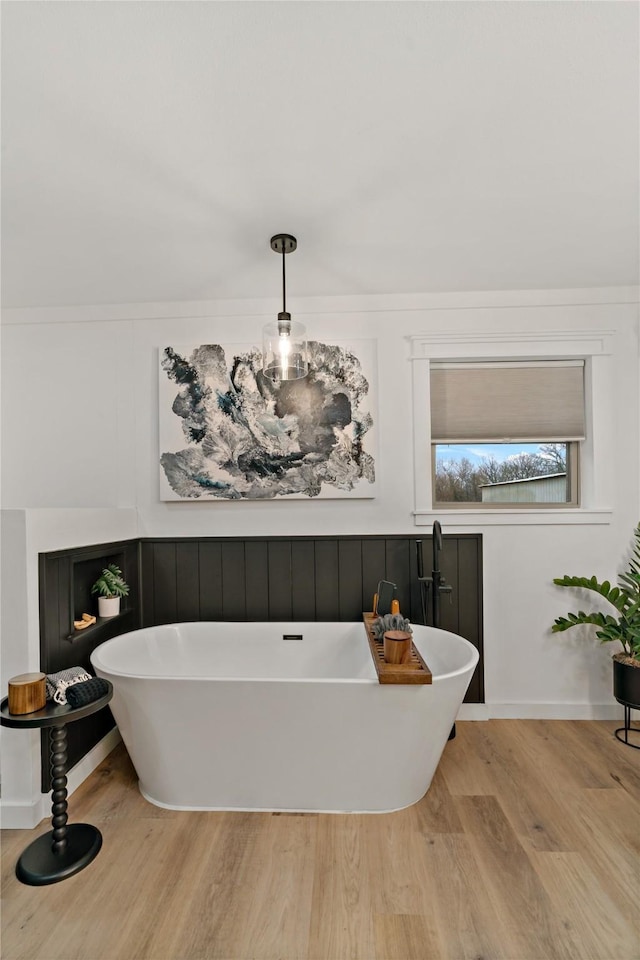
(435, 583)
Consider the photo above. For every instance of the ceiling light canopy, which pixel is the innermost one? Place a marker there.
(284, 341)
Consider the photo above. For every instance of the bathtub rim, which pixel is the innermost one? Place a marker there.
(470, 664)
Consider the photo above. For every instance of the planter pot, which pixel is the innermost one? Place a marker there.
(626, 683)
(108, 606)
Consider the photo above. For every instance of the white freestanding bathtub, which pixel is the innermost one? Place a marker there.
(235, 716)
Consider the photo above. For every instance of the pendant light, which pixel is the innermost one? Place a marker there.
(284, 341)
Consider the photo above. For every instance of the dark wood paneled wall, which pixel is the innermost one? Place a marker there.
(66, 577)
(244, 578)
(308, 578)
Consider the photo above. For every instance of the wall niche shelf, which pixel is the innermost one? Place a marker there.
(86, 569)
(98, 627)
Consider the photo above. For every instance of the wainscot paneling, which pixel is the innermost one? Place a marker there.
(309, 578)
(65, 580)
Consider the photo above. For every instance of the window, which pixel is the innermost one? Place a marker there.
(521, 339)
(506, 432)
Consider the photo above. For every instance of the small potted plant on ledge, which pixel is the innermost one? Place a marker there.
(625, 627)
(110, 587)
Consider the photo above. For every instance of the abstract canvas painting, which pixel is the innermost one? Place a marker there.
(228, 432)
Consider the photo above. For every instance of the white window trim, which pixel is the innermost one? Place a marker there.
(596, 453)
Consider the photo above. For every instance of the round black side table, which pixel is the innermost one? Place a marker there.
(65, 849)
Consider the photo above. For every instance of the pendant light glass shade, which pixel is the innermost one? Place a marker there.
(284, 341)
(284, 350)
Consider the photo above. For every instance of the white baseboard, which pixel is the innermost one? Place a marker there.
(91, 760)
(541, 711)
(21, 816)
(25, 815)
(473, 711)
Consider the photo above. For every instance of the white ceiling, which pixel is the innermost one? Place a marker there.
(150, 149)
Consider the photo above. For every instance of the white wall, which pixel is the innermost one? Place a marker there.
(80, 429)
(20, 754)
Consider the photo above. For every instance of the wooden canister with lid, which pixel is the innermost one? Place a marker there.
(397, 646)
(27, 693)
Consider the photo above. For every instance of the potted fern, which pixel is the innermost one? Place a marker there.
(110, 587)
(625, 627)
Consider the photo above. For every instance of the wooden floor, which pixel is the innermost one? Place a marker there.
(527, 846)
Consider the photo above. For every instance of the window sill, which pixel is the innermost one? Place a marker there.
(476, 518)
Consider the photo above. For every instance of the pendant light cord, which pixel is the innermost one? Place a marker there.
(284, 285)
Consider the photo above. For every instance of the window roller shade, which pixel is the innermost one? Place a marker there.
(503, 402)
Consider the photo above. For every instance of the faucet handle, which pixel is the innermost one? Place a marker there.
(447, 588)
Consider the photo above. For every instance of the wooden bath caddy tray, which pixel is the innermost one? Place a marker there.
(415, 671)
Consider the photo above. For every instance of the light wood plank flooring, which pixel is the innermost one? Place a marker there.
(526, 847)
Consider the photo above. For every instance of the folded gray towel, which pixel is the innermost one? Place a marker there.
(58, 682)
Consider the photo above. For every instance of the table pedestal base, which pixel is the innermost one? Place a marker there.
(39, 865)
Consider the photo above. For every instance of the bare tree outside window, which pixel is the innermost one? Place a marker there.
(460, 479)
